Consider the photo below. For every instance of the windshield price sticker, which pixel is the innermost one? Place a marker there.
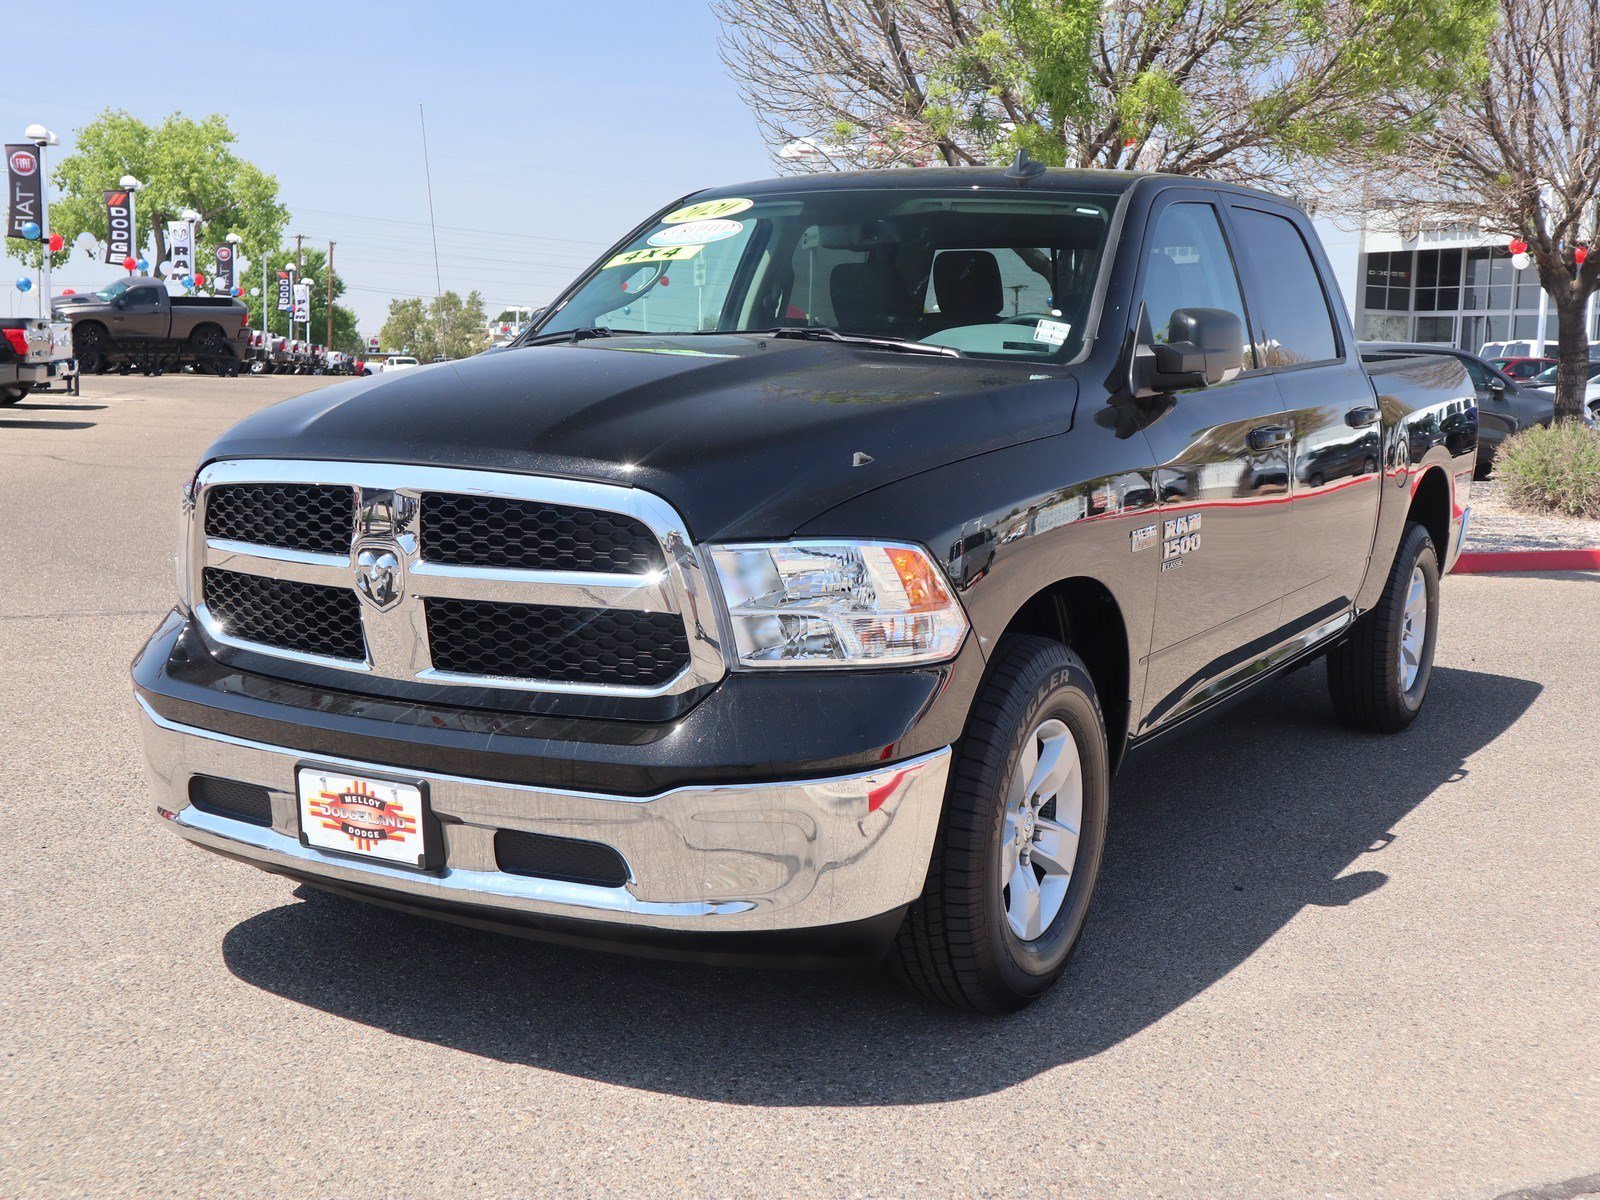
(649, 254)
(1052, 333)
(696, 233)
(707, 210)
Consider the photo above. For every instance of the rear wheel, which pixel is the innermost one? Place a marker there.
(1018, 853)
(90, 346)
(1378, 677)
(210, 350)
(12, 394)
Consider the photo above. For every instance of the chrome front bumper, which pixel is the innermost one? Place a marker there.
(744, 858)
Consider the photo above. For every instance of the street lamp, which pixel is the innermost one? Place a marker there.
(42, 137)
(132, 185)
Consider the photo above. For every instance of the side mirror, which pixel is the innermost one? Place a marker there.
(1205, 346)
(120, 302)
(1497, 388)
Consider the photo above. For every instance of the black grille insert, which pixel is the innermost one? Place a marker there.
(297, 516)
(304, 617)
(566, 859)
(229, 798)
(491, 531)
(561, 645)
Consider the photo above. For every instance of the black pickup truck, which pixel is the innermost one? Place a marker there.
(136, 322)
(793, 590)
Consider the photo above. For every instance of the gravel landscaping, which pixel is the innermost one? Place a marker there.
(1495, 525)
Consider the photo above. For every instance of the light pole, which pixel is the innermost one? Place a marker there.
(190, 218)
(42, 137)
(235, 279)
(132, 186)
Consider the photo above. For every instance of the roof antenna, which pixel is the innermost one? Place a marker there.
(1024, 168)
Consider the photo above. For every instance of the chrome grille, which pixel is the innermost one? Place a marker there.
(292, 516)
(543, 641)
(304, 617)
(451, 577)
(477, 531)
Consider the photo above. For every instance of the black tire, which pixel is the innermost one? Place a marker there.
(1365, 678)
(210, 350)
(91, 347)
(13, 394)
(956, 946)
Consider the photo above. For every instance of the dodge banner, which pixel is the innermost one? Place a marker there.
(285, 296)
(119, 227)
(22, 168)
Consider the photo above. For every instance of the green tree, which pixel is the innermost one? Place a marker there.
(446, 325)
(314, 267)
(1250, 90)
(183, 163)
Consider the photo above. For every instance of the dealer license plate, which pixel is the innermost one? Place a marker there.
(353, 814)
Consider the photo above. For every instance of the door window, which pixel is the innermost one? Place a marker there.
(1188, 266)
(1296, 326)
(142, 297)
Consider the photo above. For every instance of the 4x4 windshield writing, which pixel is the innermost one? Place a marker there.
(992, 274)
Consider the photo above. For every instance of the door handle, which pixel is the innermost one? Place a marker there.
(1362, 415)
(1264, 437)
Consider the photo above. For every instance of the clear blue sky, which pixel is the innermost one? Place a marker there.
(553, 127)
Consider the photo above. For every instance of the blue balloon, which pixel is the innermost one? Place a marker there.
(31, 230)
(24, 284)
(144, 266)
(187, 281)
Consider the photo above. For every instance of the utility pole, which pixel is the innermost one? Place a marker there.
(329, 343)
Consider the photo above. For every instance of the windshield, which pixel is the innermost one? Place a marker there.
(1548, 375)
(112, 290)
(993, 274)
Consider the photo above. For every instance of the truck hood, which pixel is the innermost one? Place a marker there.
(744, 436)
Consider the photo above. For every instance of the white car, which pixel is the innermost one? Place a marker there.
(399, 362)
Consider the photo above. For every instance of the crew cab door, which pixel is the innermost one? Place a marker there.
(137, 314)
(1221, 478)
(1331, 408)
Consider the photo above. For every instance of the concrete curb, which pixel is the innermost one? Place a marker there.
(1484, 562)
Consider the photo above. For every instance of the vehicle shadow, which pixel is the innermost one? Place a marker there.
(46, 424)
(69, 406)
(1218, 839)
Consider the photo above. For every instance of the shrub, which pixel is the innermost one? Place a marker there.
(1552, 468)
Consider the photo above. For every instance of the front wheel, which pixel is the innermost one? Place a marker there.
(12, 394)
(1018, 853)
(1378, 676)
(90, 346)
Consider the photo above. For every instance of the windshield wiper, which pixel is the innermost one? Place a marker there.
(581, 334)
(821, 333)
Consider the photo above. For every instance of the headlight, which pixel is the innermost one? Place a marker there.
(820, 604)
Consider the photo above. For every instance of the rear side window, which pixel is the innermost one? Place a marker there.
(142, 297)
(1294, 323)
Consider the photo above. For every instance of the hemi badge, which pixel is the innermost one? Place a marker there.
(1143, 538)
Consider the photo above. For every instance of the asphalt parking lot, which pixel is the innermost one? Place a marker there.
(1322, 964)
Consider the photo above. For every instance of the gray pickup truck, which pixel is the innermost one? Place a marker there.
(136, 323)
(34, 353)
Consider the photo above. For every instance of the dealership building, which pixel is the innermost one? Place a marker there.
(1450, 284)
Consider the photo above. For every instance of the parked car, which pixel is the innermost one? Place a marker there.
(1547, 377)
(1521, 369)
(137, 322)
(399, 362)
(1504, 406)
(700, 627)
(34, 353)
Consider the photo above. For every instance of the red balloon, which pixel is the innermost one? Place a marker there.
(1517, 246)
(1580, 255)
(129, 263)
(56, 242)
(199, 279)
(68, 292)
